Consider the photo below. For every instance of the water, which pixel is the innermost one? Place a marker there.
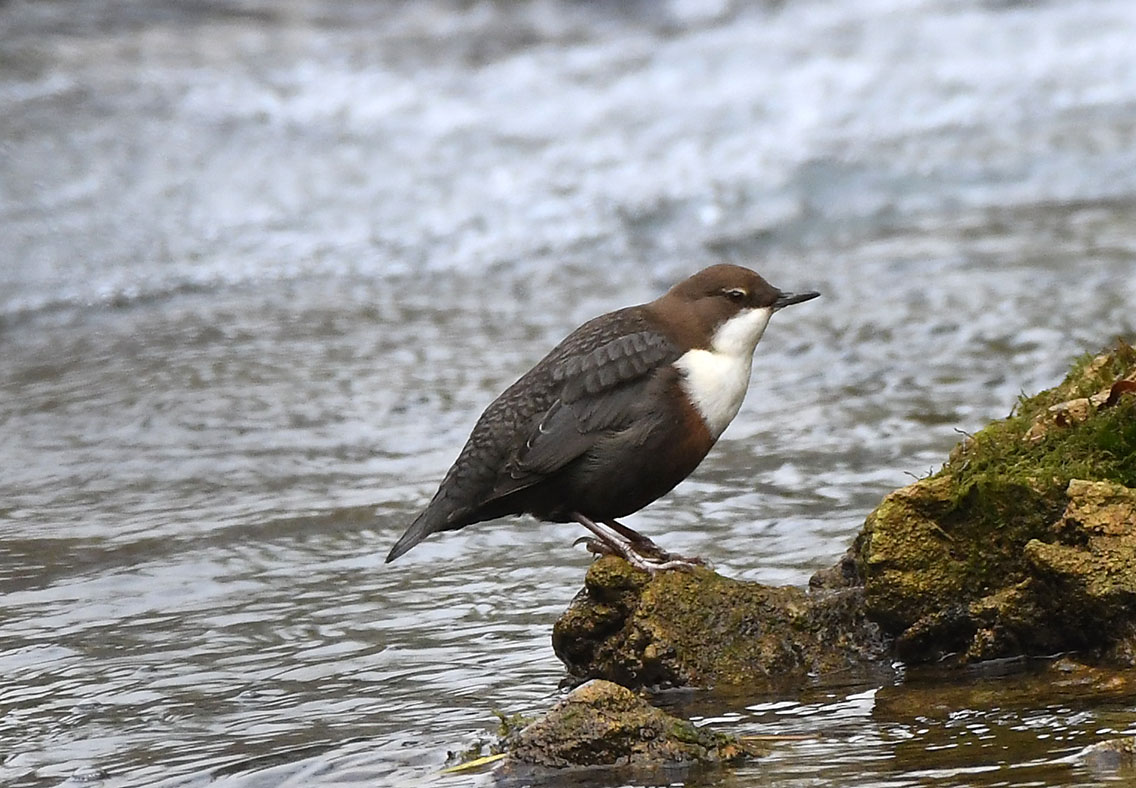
(262, 266)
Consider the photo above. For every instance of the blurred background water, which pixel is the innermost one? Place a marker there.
(263, 264)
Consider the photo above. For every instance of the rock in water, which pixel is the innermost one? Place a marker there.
(1025, 542)
(604, 724)
(701, 629)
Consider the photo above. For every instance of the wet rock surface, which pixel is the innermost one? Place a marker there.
(702, 629)
(604, 724)
(1025, 541)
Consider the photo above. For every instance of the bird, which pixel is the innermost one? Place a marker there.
(614, 417)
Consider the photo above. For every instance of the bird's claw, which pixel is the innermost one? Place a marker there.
(658, 560)
(595, 546)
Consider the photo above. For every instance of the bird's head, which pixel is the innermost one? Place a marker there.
(723, 308)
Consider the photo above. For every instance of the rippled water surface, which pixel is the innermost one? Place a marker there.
(262, 266)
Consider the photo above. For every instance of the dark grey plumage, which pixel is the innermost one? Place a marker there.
(587, 386)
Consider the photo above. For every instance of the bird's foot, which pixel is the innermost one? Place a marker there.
(650, 559)
(646, 547)
(653, 565)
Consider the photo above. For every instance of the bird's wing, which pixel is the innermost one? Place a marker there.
(599, 391)
(553, 414)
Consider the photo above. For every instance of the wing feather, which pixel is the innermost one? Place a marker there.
(603, 391)
(590, 384)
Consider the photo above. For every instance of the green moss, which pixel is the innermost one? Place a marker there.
(602, 723)
(946, 543)
(700, 628)
(507, 724)
(474, 751)
(1102, 447)
(1006, 490)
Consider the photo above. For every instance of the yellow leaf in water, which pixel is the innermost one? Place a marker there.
(461, 767)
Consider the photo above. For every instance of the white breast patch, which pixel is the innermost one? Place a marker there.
(716, 379)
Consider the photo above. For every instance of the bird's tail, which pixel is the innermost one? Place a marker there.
(422, 527)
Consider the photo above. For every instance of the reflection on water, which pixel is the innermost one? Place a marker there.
(263, 265)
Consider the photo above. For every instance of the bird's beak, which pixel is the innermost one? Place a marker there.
(788, 299)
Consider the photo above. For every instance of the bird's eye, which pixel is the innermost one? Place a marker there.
(735, 294)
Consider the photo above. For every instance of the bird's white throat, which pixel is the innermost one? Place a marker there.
(716, 379)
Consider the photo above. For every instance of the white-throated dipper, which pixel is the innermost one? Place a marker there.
(614, 417)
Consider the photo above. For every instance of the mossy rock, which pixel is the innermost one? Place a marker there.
(699, 628)
(604, 724)
(1025, 541)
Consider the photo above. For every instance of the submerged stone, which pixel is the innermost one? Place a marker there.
(604, 724)
(1111, 755)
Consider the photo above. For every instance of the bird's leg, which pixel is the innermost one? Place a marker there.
(642, 543)
(645, 546)
(614, 544)
(610, 544)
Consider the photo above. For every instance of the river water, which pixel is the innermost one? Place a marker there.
(262, 264)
